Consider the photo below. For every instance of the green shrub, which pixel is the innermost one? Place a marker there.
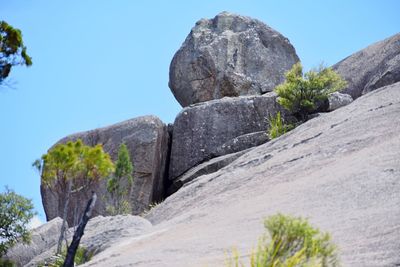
(294, 243)
(7, 263)
(300, 94)
(119, 185)
(277, 126)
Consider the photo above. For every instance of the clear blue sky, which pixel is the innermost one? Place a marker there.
(98, 62)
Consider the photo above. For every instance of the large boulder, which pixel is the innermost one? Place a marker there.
(371, 68)
(147, 141)
(229, 55)
(219, 127)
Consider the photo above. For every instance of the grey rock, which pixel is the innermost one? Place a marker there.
(218, 127)
(100, 234)
(43, 238)
(241, 143)
(371, 68)
(147, 140)
(337, 100)
(229, 55)
(315, 115)
(340, 170)
(204, 168)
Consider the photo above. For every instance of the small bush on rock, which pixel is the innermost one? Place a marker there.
(300, 94)
(293, 243)
(277, 126)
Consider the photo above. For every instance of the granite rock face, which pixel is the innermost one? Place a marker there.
(337, 100)
(147, 141)
(204, 168)
(215, 128)
(340, 170)
(229, 55)
(371, 68)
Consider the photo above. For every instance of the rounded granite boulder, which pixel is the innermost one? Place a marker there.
(229, 55)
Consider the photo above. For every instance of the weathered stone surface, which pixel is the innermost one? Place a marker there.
(100, 234)
(373, 67)
(43, 238)
(213, 128)
(147, 140)
(241, 143)
(341, 170)
(229, 55)
(337, 100)
(204, 168)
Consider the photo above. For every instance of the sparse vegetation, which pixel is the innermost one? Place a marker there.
(119, 185)
(301, 94)
(277, 126)
(15, 213)
(151, 206)
(7, 263)
(82, 255)
(293, 243)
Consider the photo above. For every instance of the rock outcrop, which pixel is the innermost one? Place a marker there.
(229, 55)
(218, 127)
(100, 234)
(337, 100)
(42, 238)
(371, 68)
(340, 170)
(147, 140)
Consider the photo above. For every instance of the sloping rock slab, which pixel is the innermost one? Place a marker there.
(229, 55)
(147, 140)
(371, 68)
(340, 170)
(241, 143)
(204, 168)
(201, 130)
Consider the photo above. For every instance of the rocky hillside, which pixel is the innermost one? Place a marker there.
(243, 57)
(219, 173)
(341, 170)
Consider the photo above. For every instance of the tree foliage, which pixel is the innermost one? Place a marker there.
(12, 50)
(119, 185)
(300, 93)
(15, 213)
(75, 162)
(72, 168)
